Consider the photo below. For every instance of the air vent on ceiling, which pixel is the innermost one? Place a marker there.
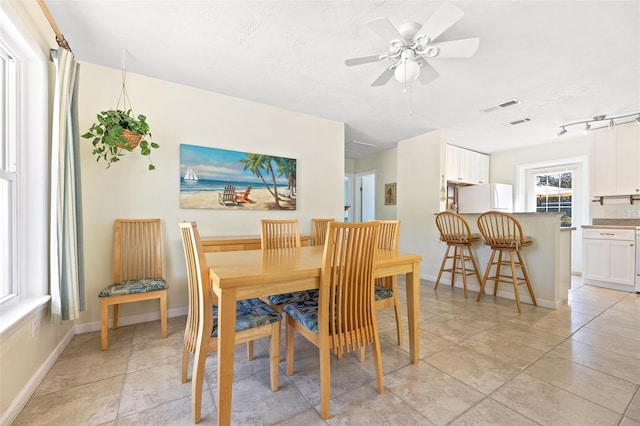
(356, 146)
(503, 105)
(522, 120)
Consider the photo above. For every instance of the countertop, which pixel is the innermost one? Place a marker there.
(611, 226)
(617, 222)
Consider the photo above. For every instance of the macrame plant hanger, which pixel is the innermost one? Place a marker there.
(133, 138)
(124, 96)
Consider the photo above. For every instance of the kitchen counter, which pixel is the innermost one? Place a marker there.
(548, 260)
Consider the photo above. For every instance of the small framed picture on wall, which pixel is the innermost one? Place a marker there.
(390, 194)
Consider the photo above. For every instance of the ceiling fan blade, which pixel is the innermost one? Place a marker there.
(362, 60)
(439, 22)
(384, 77)
(385, 29)
(427, 72)
(457, 48)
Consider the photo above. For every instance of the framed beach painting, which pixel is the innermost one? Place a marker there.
(212, 178)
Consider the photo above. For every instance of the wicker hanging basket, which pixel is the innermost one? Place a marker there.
(133, 139)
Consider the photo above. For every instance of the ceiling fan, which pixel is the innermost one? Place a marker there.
(411, 45)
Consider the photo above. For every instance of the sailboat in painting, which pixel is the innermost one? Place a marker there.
(190, 176)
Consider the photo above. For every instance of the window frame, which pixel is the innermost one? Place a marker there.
(31, 273)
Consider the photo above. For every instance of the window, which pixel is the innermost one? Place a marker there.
(24, 151)
(8, 205)
(554, 193)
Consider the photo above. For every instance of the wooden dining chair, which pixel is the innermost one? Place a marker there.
(503, 233)
(254, 318)
(386, 288)
(455, 232)
(283, 234)
(343, 319)
(137, 272)
(319, 230)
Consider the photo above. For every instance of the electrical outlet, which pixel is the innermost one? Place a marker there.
(36, 322)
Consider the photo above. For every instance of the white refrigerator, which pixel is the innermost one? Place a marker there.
(482, 198)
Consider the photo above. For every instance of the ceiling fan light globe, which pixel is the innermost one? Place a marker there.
(407, 71)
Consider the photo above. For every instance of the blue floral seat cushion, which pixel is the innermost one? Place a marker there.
(383, 293)
(250, 313)
(305, 312)
(143, 285)
(298, 296)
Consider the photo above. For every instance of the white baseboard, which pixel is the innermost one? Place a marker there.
(30, 387)
(129, 320)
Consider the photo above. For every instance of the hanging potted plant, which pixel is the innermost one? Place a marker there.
(116, 131)
(119, 130)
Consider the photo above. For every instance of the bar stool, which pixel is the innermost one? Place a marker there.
(503, 233)
(454, 230)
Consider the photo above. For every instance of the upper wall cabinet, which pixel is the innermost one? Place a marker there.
(466, 166)
(615, 161)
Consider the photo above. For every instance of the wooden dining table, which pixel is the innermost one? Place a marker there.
(256, 273)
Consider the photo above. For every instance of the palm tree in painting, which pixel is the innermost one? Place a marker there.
(258, 163)
(287, 167)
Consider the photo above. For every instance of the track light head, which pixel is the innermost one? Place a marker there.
(562, 132)
(638, 118)
(587, 127)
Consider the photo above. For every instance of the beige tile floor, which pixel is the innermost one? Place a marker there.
(481, 364)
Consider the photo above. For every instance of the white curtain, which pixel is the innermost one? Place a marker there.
(66, 250)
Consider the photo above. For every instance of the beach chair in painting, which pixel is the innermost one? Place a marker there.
(243, 196)
(228, 196)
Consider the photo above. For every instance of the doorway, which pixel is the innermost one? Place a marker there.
(365, 208)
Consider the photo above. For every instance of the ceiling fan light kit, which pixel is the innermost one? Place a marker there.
(600, 119)
(410, 45)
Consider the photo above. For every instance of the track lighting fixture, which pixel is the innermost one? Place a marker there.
(600, 121)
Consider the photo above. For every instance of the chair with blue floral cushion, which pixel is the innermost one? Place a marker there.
(137, 272)
(343, 319)
(254, 318)
(283, 234)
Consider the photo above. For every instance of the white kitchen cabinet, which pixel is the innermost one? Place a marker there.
(628, 159)
(609, 258)
(614, 160)
(466, 166)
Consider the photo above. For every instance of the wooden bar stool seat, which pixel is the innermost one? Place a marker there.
(503, 233)
(454, 230)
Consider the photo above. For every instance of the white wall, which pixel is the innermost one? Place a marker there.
(179, 114)
(420, 164)
(384, 164)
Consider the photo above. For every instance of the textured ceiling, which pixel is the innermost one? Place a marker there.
(565, 60)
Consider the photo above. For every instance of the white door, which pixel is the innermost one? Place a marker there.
(365, 197)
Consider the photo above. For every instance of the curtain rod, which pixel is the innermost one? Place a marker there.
(59, 37)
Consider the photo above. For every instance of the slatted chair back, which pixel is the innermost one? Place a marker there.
(280, 234)
(388, 240)
(453, 228)
(501, 229)
(346, 285)
(319, 230)
(137, 249)
(196, 268)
